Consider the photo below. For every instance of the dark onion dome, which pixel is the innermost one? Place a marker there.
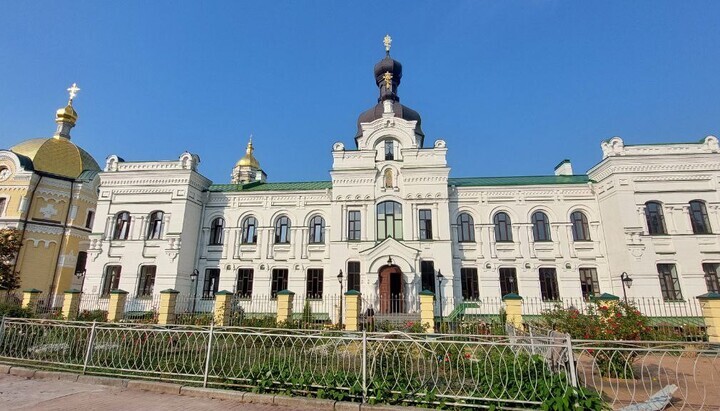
(394, 68)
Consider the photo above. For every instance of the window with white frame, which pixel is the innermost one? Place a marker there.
(155, 225)
(245, 282)
(589, 284)
(217, 228)
(314, 287)
(122, 226)
(669, 282)
(549, 290)
(541, 227)
(353, 270)
(465, 228)
(353, 225)
(469, 283)
(711, 277)
(89, 219)
(425, 223)
(211, 282)
(699, 218)
(146, 281)
(655, 218)
(508, 281)
(389, 220)
(249, 230)
(282, 230)
(317, 230)
(111, 279)
(503, 228)
(279, 281)
(580, 226)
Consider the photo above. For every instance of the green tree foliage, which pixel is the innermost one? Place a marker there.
(9, 248)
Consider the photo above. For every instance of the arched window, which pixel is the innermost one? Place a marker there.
(466, 228)
(580, 227)
(155, 225)
(317, 230)
(699, 218)
(541, 226)
(122, 226)
(282, 230)
(503, 227)
(249, 230)
(216, 231)
(655, 218)
(389, 220)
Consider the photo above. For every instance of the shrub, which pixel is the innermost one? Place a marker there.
(14, 310)
(93, 315)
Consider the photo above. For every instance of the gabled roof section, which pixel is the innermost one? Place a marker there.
(517, 181)
(260, 186)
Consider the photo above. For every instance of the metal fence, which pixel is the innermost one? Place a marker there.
(389, 312)
(508, 372)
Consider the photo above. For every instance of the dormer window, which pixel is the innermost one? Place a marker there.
(389, 150)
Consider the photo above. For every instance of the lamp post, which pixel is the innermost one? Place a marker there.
(340, 280)
(80, 274)
(626, 282)
(194, 279)
(440, 278)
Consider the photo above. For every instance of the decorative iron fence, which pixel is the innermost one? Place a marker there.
(388, 312)
(507, 372)
(456, 315)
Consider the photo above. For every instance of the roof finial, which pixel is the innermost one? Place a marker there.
(387, 41)
(73, 92)
(249, 148)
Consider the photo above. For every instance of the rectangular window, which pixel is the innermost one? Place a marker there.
(711, 277)
(147, 280)
(353, 225)
(469, 280)
(314, 283)
(669, 282)
(81, 263)
(245, 282)
(3, 201)
(508, 281)
(111, 281)
(389, 150)
(211, 283)
(427, 274)
(549, 285)
(90, 219)
(589, 284)
(425, 224)
(279, 281)
(353, 270)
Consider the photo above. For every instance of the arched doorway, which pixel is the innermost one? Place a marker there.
(390, 290)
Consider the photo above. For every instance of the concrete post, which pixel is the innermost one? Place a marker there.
(284, 305)
(31, 298)
(71, 304)
(352, 310)
(606, 300)
(513, 309)
(116, 307)
(427, 310)
(710, 304)
(222, 307)
(166, 311)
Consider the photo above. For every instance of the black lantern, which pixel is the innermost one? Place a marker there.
(340, 317)
(626, 282)
(440, 279)
(194, 279)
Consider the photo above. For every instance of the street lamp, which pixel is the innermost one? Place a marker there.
(626, 282)
(440, 278)
(390, 261)
(340, 280)
(194, 279)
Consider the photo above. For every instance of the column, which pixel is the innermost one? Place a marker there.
(116, 306)
(31, 298)
(710, 304)
(513, 309)
(258, 245)
(226, 243)
(222, 307)
(427, 310)
(108, 227)
(166, 311)
(436, 222)
(366, 218)
(352, 310)
(71, 304)
(284, 306)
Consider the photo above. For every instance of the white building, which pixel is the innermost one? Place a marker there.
(646, 210)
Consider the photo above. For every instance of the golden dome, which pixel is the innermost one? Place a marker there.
(66, 114)
(248, 159)
(56, 155)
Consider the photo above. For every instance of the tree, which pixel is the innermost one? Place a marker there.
(9, 248)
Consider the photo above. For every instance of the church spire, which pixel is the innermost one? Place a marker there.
(388, 73)
(67, 117)
(247, 169)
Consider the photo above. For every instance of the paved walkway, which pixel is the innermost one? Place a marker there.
(18, 393)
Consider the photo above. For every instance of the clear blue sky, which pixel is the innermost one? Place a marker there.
(513, 87)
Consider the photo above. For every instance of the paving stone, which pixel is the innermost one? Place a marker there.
(347, 406)
(22, 372)
(154, 386)
(200, 392)
(258, 398)
(5, 369)
(317, 403)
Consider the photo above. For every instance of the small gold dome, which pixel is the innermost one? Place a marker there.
(248, 159)
(66, 114)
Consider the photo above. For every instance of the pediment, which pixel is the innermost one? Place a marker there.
(402, 255)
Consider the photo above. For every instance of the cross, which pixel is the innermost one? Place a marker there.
(73, 91)
(388, 80)
(387, 41)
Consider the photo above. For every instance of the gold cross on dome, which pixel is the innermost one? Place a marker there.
(388, 80)
(73, 91)
(387, 41)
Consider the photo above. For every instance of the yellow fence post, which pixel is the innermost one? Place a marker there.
(222, 307)
(284, 305)
(427, 310)
(352, 310)
(31, 298)
(710, 304)
(116, 307)
(166, 311)
(71, 304)
(513, 309)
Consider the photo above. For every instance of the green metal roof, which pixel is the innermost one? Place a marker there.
(517, 180)
(259, 186)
